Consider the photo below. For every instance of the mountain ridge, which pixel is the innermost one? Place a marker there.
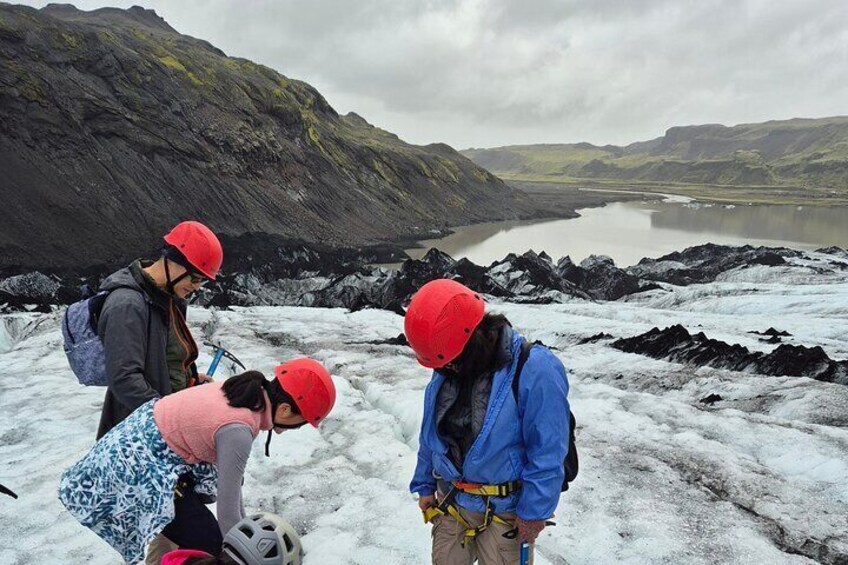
(113, 127)
(799, 152)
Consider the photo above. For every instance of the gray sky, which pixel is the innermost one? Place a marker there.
(485, 73)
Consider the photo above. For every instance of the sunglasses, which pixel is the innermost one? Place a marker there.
(197, 279)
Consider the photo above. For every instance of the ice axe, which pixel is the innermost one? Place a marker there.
(525, 550)
(524, 555)
(219, 353)
(4, 490)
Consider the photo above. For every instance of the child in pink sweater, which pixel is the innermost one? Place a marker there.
(124, 488)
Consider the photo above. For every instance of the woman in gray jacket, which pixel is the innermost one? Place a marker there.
(149, 350)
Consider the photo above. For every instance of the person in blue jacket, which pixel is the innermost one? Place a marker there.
(490, 459)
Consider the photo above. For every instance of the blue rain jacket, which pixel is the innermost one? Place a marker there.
(509, 447)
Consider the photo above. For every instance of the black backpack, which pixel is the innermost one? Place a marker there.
(571, 463)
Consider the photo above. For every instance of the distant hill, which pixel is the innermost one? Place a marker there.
(805, 153)
(113, 126)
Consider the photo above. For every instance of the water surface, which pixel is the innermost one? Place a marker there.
(629, 231)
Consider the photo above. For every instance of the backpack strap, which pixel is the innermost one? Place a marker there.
(526, 346)
(97, 300)
(571, 463)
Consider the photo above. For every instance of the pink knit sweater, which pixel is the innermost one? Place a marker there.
(189, 419)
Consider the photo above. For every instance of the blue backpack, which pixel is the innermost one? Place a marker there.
(82, 345)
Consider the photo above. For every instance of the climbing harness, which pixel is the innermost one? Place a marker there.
(447, 506)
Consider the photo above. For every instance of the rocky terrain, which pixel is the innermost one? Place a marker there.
(338, 279)
(283, 274)
(114, 126)
(676, 344)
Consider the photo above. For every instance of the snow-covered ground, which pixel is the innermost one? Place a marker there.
(759, 477)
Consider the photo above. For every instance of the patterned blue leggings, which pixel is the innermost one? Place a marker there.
(123, 489)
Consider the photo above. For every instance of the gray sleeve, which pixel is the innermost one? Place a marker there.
(123, 330)
(232, 443)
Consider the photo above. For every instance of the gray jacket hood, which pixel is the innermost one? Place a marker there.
(133, 277)
(121, 278)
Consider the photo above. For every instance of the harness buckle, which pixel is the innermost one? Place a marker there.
(463, 486)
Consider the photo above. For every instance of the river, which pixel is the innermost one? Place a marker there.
(629, 231)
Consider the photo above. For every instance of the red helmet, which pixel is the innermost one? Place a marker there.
(440, 320)
(199, 246)
(310, 386)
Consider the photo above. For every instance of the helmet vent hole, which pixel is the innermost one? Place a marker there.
(273, 552)
(246, 531)
(440, 356)
(289, 544)
(268, 527)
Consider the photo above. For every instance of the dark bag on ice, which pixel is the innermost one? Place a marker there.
(571, 463)
(82, 345)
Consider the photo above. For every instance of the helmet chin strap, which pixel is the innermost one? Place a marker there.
(268, 443)
(233, 554)
(169, 284)
(276, 424)
(267, 386)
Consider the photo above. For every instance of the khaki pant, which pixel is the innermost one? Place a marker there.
(489, 548)
(159, 546)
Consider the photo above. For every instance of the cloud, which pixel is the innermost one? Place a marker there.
(496, 72)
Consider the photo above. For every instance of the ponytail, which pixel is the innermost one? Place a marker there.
(246, 391)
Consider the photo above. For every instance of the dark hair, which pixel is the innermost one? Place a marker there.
(173, 254)
(245, 391)
(478, 355)
(492, 323)
(279, 396)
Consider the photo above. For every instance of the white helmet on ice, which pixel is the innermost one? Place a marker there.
(263, 539)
